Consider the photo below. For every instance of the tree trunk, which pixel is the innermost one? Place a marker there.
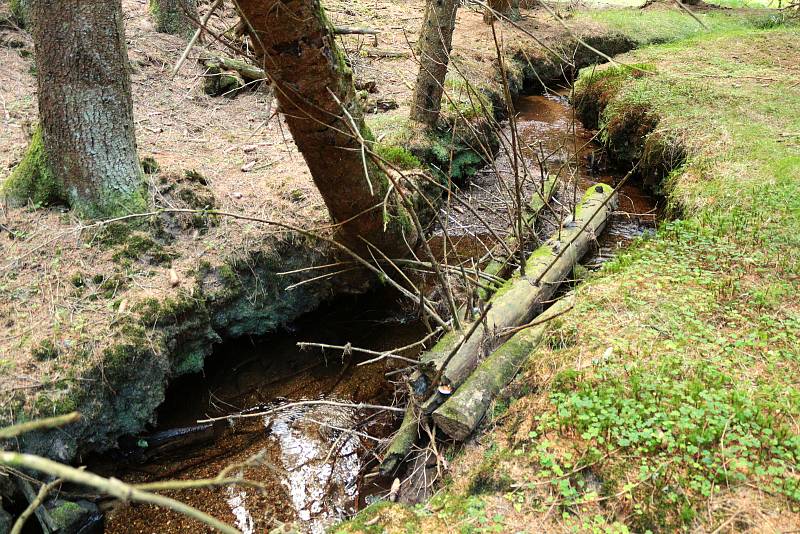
(508, 8)
(314, 87)
(433, 53)
(175, 16)
(87, 150)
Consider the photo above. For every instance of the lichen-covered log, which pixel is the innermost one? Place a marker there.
(460, 415)
(86, 153)
(176, 17)
(519, 299)
(249, 72)
(433, 54)
(498, 266)
(401, 443)
(315, 91)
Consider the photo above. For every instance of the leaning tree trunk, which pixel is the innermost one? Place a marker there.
(174, 16)
(314, 87)
(433, 53)
(85, 151)
(508, 8)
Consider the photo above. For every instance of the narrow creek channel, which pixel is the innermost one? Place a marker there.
(312, 459)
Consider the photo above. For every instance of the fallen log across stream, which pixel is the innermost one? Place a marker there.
(460, 414)
(453, 359)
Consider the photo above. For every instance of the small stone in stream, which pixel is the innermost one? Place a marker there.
(247, 167)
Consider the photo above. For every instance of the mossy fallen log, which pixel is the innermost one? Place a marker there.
(402, 442)
(513, 305)
(460, 415)
(497, 267)
(520, 299)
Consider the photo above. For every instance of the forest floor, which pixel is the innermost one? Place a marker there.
(69, 293)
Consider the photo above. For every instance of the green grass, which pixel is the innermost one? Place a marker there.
(668, 25)
(699, 397)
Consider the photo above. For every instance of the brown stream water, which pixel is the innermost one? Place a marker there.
(313, 458)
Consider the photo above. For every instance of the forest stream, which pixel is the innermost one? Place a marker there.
(317, 461)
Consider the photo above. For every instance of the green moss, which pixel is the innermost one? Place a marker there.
(140, 246)
(113, 234)
(46, 350)
(397, 156)
(66, 514)
(19, 11)
(150, 165)
(173, 21)
(32, 180)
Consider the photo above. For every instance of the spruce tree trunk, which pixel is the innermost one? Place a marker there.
(87, 149)
(314, 87)
(174, 16)
(433, 53)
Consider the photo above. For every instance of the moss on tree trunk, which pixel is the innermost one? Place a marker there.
(433, 53)
(86, 150)
(32, 180)
(314, 87)
(174, 16)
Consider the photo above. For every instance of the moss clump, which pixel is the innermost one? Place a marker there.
(19, 12)
(33, 180)
(397, 156)
(114, 234)
(67, 514)
(150, 165)
(140, 246)
(170, 18)
(195, 176)
(46, 350)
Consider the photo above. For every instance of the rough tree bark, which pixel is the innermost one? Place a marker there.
(509, 8)
(433, 53)
(314, 87)
(174, 16)
(85, 150)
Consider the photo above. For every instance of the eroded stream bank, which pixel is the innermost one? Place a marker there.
(316, 462)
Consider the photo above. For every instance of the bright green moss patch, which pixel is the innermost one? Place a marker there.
(32, 180)
(397, 156)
